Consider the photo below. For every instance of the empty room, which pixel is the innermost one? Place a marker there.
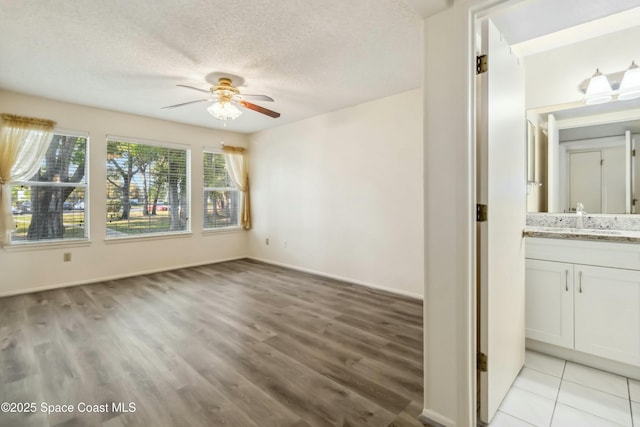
(212, 214)
(339, 213)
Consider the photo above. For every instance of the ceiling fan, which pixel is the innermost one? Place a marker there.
(226, 97)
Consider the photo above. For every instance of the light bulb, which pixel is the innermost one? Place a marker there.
(224, 110)
(630, 85)
(599, 89)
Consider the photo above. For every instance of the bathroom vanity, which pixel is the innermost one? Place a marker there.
(583, 294)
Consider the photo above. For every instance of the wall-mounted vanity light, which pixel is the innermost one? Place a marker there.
(599, 89)
(630, 85)
(603, 87)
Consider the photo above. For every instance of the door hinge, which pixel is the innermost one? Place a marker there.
(481, 64)
(481, 212)
(633, 152)
(482, 362)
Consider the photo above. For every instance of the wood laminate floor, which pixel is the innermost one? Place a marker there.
(236, 344)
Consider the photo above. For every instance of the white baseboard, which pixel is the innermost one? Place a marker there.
(341, 278)
(435, 419)
(113, 277)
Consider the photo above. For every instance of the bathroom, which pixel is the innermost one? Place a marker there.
(582, 234)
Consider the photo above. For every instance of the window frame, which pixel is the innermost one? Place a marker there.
(188, 168)
(77, 241)
(205, 189)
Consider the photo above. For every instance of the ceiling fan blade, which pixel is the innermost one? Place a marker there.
(186, 103)
(195, 88)
(259, 109)
(257, 97)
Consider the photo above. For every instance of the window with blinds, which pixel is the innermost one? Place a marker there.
(147, 188)
(221, 198)
(50, 206)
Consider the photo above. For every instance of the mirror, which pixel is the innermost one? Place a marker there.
(584, 154)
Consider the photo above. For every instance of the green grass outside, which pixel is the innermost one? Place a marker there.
(136, 224)
(73, 225)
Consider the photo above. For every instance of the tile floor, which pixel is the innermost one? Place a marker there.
(553, 392)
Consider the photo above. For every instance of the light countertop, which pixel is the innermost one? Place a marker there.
(623, 236)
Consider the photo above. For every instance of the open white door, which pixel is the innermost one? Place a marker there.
(635, 176)
(556, 187)
(501, 179)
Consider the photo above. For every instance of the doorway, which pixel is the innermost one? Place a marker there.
(484, 254)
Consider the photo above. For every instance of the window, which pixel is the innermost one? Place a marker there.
(51, 204)
(221, 197)
(147, 188)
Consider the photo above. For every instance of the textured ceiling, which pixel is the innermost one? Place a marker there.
(310, 56)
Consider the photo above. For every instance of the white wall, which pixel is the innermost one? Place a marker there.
(23, 269)
(554, 76)
(341, 194)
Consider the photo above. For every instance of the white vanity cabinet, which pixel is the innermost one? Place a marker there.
(549, 302)
(584, 296)
(607, 312)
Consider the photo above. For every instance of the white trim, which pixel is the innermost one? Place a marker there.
(341, 278)
(154, 142)
(114, 277)
(598, 119)
(435, 419)
(19, 245)
(222, 230)
(150, 236)
(71, 132)
(212, 150)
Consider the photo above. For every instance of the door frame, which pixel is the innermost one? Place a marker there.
(450, 388)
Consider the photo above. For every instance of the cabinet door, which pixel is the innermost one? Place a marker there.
(549, 302)
(607, 313)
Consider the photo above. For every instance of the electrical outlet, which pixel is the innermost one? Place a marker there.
(67, 257)
(266, 241)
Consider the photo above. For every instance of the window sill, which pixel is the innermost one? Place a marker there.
(143, 238)
(227, 230)
(41, 246)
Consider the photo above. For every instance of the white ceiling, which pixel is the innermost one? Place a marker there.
(530, 19)
(312, 57)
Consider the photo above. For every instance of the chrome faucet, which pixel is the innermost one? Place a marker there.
(580, 213)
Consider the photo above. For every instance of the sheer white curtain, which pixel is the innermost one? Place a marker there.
(238, 161)
(23, 144)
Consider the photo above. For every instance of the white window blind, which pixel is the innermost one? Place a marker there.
(147, 188)
(51, 205)
(221, 198)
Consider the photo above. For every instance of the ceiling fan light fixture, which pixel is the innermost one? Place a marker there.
(224, 110)
(630, 85)
(599, 89)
